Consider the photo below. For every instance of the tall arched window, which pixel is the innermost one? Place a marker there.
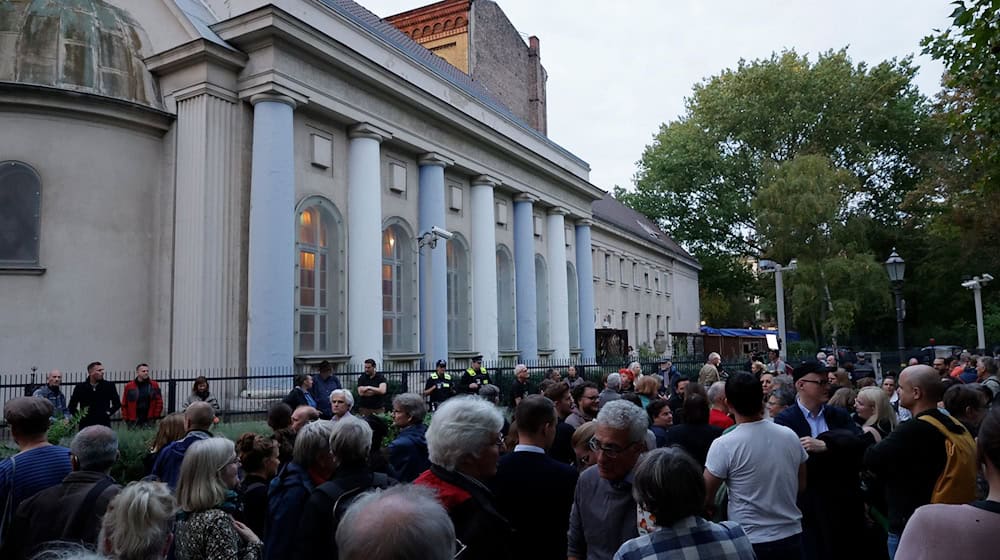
(542, 301)
(20, 214)
(459, 299)
(506, 296)
(319, 305)
(397, 290)
(572, 292)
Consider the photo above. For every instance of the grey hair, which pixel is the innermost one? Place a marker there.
(413, 405)
(668, 483)
(785, 395)
(716, 390)
(782, 380)
(489, 392)
(137, 522)
(623, 415)
(404, 522)
(343, 393)
(519, 368)
(313, 439)
(350, 440)
(200, 486)
(95, 448)
(650, 439)
(461, 428)
(61, 550)
(614, 381)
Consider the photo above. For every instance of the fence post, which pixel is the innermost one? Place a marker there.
(171, 386)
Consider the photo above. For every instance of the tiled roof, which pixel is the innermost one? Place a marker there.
(419, 54)
(611, 211)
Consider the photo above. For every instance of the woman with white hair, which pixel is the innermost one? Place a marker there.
(341, 403)
(206, 494)
(138, 524)
(464, 442)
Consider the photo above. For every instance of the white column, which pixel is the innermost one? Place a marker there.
(271, 264)
(484, 267)
(585, 283)
(433, 261)
(558, 292)
(364, 242)
(206, 293)
(524, 276)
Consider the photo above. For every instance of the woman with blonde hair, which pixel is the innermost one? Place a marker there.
(169, 430)
(874, 413)
(206, 495)
(648, 389)
(137, 524)
(709, 374)
(581, 444)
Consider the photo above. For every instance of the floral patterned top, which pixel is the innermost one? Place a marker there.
(210, 535)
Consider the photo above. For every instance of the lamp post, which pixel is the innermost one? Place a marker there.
(779, 296)
(976, 285)
(895, 266)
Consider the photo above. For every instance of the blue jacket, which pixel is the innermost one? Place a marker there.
(286, 499)
(321, 392)
(57, 398)
(408, 453)
(167, 467)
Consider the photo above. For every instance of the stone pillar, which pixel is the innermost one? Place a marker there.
(524, 276)
(364, 242)
(555, 240)
(585, 289)
(484, 268)
(433, 261)
(206, 301)
(271, 264)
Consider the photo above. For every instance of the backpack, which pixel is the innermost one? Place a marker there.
(957, 482)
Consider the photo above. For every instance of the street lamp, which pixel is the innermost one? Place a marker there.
(895, 266)
(779, 296)
(976, 285)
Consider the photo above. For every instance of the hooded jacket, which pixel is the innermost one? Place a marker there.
(408, 453)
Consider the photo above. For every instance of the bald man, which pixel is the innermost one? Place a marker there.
(52, 391)
(911, 459)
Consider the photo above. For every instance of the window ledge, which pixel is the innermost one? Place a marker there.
(21, 270)
(398, 356)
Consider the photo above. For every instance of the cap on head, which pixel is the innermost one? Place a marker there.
(809, 366)
(477, 360)
(441, 363)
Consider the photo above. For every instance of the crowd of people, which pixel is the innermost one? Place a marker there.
(815, 461)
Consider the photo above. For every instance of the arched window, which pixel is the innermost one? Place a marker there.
(542, 302)
(572, 292)
(20, 214)
(397, 290)
(319, 304)
(459, 306)
(506, 294)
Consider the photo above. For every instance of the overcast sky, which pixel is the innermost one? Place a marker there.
(617, 70)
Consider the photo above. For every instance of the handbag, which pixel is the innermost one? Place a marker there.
(6, 516)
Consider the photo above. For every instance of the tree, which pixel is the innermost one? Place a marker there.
(702, 173)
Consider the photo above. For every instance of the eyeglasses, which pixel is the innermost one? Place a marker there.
(234, 461)
(459, 548)
(500, 440)
(612, 451)
(820, 382)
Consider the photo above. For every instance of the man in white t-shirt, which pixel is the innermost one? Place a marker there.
(764, 466)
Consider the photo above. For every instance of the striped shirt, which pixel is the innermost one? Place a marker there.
(33, 470)
(691, 537)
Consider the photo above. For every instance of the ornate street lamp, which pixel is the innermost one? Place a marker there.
(895, 266)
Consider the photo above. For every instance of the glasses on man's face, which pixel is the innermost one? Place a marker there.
(612, 451)
(819, 382)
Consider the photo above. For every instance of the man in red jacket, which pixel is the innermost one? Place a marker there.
(142, 400)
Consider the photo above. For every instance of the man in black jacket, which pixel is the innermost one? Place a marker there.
(912, 458)
(98, 396)
(534, 491)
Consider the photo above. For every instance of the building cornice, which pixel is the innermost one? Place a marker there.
(625, 235)
(54, 101)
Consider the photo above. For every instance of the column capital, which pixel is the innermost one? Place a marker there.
(368, 130)
(434, 158)
(486, 180)
(585, 222)
(558, 211)
(525, 197)
(271, 91)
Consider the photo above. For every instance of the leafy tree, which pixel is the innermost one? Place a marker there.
(702, 174)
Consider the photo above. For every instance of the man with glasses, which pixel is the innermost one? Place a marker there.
(604, 511)
(587, 402)
(832, 505)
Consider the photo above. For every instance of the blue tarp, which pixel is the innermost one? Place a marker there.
(792, 335)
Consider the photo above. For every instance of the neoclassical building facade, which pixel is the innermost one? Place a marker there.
(208, 184)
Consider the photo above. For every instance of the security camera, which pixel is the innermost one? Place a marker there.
(987, 278)
(441, 233)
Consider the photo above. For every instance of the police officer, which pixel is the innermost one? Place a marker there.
(439, 386)
(474, 377)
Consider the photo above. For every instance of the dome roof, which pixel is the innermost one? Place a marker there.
(81, 45)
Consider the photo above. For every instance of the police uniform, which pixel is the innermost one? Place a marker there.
(482, 377)
(443, 387)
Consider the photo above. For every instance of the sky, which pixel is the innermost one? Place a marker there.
(619, 69)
